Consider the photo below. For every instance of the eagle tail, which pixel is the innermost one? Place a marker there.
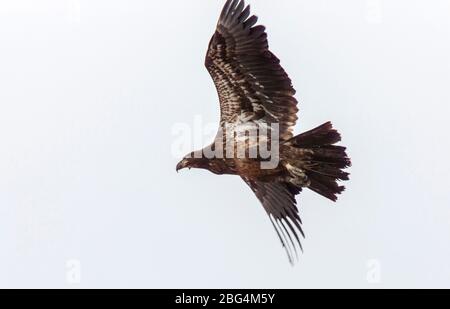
(325, 162)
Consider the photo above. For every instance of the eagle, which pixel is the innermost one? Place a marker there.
(258, 111)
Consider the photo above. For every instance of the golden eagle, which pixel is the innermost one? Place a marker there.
(257, 97)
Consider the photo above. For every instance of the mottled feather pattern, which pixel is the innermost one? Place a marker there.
(257, 100)
(248, 77)
(251, 84)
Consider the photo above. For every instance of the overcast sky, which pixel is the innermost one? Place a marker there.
(92, 93)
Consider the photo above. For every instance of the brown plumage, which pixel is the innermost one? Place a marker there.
(255, 92)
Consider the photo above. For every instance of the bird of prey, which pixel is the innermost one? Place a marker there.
(258, 107)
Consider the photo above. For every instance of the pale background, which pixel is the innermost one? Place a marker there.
(90, 92)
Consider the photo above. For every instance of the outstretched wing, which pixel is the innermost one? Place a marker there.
(278, 199)
(249, 79)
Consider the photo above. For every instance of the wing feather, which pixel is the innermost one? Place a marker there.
(249, 78)
(278, 199)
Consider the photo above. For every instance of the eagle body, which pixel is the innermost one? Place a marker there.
(255, 139)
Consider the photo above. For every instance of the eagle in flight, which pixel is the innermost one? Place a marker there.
(258, 114)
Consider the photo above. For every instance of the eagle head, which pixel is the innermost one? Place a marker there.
(193, 160)
(197, 159)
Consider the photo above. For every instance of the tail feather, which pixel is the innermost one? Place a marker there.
(325, 186)
(326, 162)
(320, 136)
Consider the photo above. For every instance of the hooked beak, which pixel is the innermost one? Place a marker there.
(183, 164)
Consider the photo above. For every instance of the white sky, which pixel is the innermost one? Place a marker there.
(90, 93)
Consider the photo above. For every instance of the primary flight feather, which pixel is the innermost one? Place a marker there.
(258, 108)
